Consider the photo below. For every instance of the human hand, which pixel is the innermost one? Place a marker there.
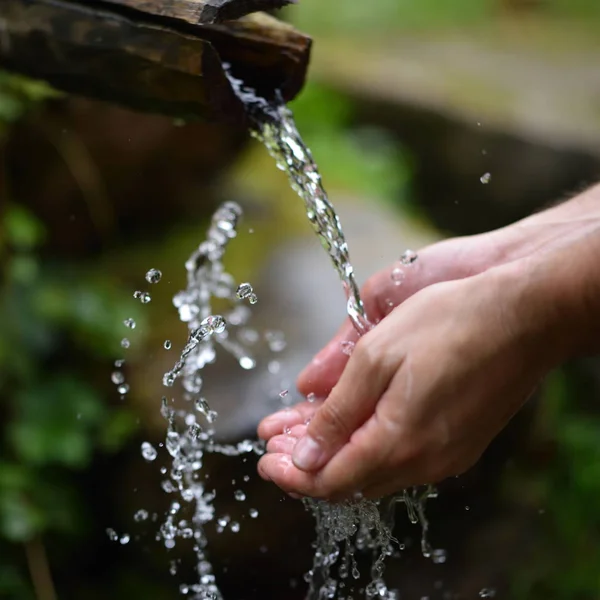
(478, 321)
(423, 393)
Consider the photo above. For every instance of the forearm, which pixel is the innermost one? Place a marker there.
(547, 229)
(561, 291)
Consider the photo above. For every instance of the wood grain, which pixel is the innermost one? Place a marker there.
(147, 61)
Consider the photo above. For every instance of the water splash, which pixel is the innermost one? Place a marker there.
(190, 432)
(360, 525)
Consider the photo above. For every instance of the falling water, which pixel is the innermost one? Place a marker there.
(342, 529)
(190, 433)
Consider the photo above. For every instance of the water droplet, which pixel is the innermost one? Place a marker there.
(153, 276)
(168, 379)
(123, 388)
(287, 430)
(202, 406)
(311, 397)
(119, 363)
(167, 345)
(239, 495)
(117, 377)
(215, 323)
(124, 539)
(125, 343)
(244, 290)
(247, 362)
(283, 393)
(235, 527)
(137, 294)
(140, 515)
(112, 534)
(487, 593)
(408, 258)
(253, 298)
(485, 178)
(347, 347)
(253, 513)
(274, 367)
(249, 336)
(129, 323)
(275, 340)
(145, 298)
(149, 451)
(438, 556)
(397, 275)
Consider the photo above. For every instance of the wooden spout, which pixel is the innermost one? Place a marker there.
(161, 56)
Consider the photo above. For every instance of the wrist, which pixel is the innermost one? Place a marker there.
(557, 295)
(548, 229)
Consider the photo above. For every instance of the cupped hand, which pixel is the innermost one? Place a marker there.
(423, 393)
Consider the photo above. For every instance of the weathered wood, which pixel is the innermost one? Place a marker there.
(200, 12)
(148, 61)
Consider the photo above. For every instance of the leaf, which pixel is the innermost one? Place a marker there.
(55, 422)
(22, 228)
(120, 426)
(19, 520)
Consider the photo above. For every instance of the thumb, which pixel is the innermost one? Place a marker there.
(351, 402)
(324, 370)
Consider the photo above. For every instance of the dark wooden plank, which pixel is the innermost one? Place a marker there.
(143, 64)
(203, 12)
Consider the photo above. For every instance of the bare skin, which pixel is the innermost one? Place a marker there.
(458, 349)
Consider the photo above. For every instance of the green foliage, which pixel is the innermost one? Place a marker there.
(55, 418)
(566, 563)
(353, 17)
(19, 94)
(363, 161)
(384, 17)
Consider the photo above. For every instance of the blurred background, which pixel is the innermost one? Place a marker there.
(409, 103)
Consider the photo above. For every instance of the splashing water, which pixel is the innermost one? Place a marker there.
(343, 530)
(190, 435)
(359, 525)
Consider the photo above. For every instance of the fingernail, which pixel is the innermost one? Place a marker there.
(307, 454)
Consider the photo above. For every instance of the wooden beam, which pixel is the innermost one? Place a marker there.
(200, 12)
(111, 51)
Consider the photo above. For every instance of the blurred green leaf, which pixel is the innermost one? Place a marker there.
(117, 430)
(12, 583)
(52, 423)
(19, 94)
(365, 161)
(20, 521)
(22, 229)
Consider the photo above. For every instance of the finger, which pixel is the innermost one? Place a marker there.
(285, 442)
(276, 423)
(350, 471)
(381, 294)
(281, 444)
(324, 370)
(351, 402)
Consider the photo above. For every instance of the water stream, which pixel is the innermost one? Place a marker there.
(342, 530)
